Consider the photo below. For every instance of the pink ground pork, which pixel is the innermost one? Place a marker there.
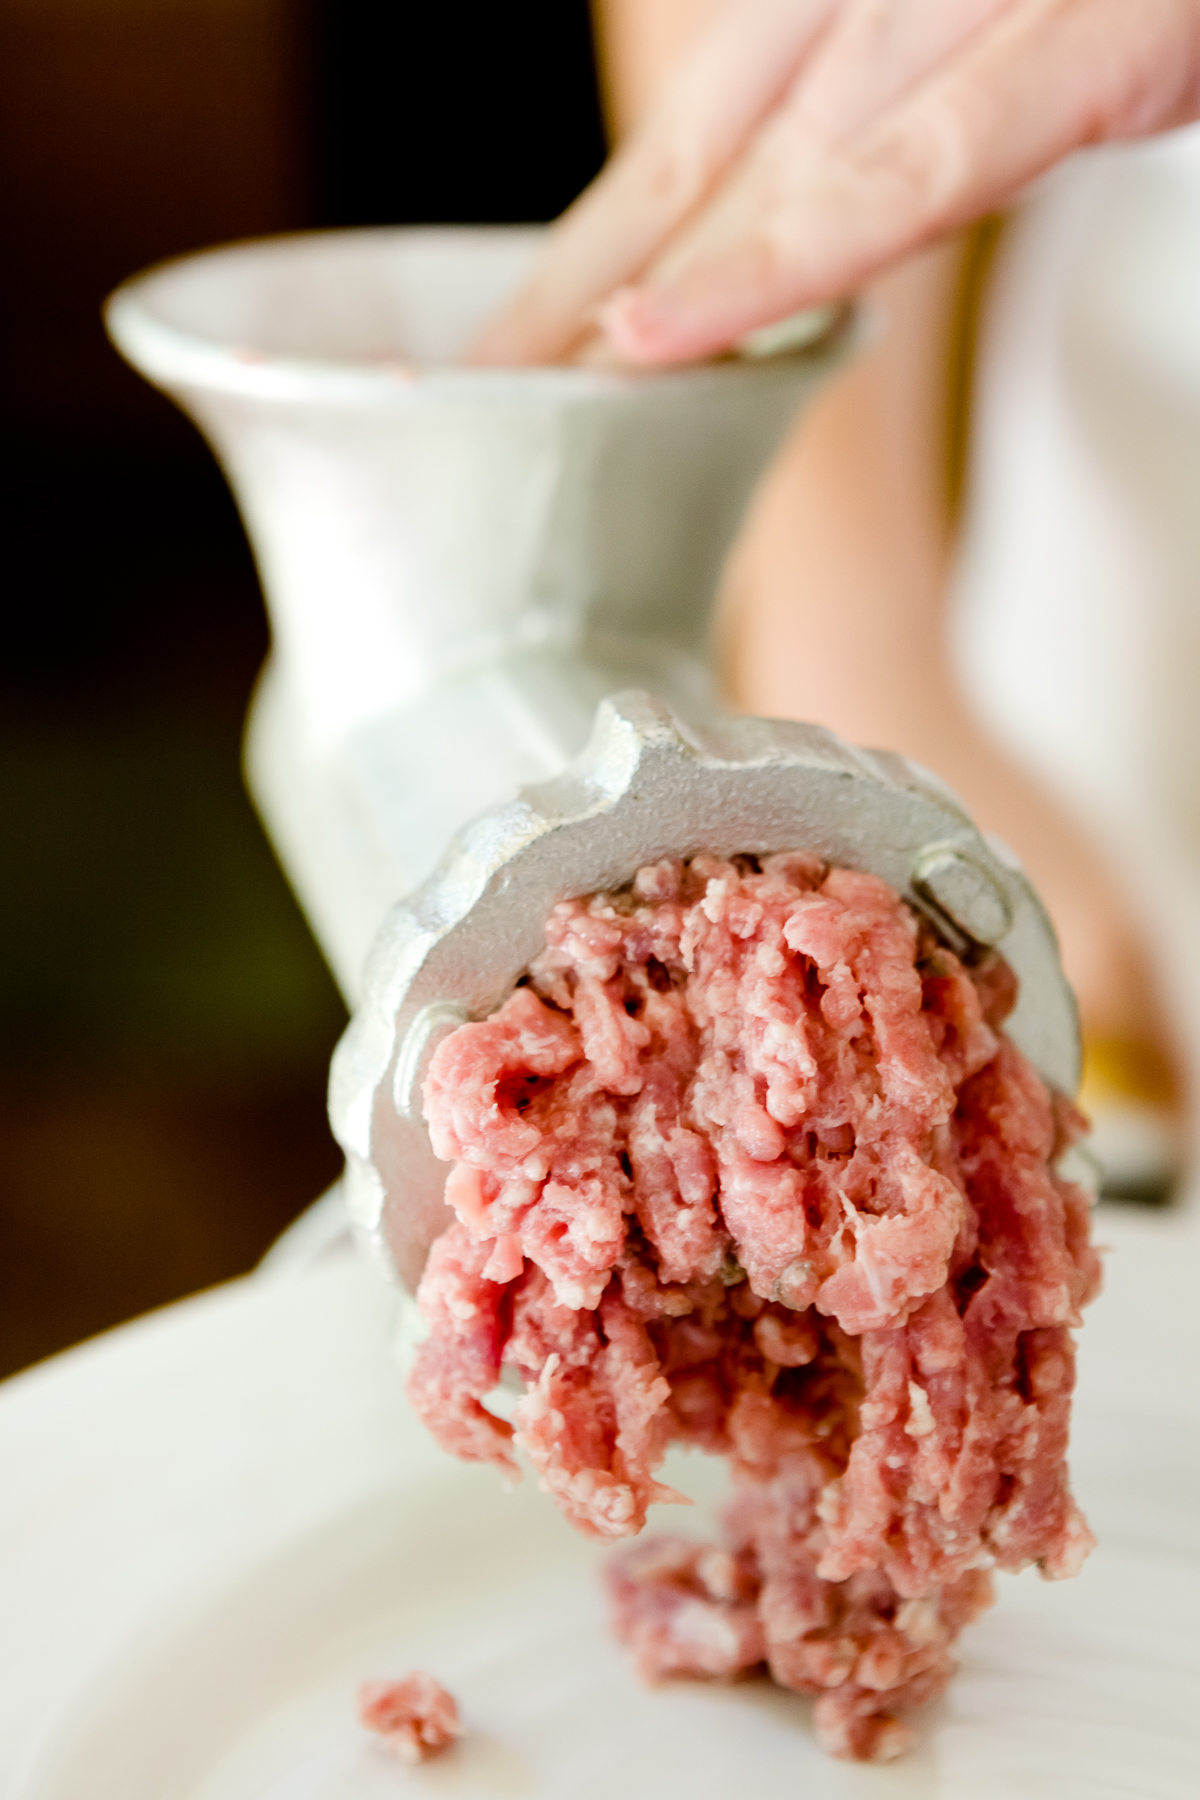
(748, 1163)
(414, 1717)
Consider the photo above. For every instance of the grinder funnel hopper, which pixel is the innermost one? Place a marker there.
(458, 563)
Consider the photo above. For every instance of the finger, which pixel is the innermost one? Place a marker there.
(722, 92)
(795, 225)
(874, 52)
(866, 54)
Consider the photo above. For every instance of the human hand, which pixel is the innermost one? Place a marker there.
(805, 145)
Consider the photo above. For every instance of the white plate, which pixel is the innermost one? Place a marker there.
(216, 1522)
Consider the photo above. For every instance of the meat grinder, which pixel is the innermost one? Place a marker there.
(491, 682)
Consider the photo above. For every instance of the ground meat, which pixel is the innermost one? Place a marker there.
(415, 1717)
(747, 1162)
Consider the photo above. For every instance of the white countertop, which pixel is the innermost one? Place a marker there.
(214, 1520)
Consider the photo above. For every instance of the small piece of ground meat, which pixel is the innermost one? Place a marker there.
(415, 1717)
(748, 1163)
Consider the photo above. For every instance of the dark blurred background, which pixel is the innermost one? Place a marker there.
(165, 1018)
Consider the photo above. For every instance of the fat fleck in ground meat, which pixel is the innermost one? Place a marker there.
(749, 1163)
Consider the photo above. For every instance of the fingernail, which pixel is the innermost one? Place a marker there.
(634, 319)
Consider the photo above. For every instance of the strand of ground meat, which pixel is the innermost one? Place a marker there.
(748, 1163)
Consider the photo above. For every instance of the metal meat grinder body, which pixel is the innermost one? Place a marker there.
(460, 565)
